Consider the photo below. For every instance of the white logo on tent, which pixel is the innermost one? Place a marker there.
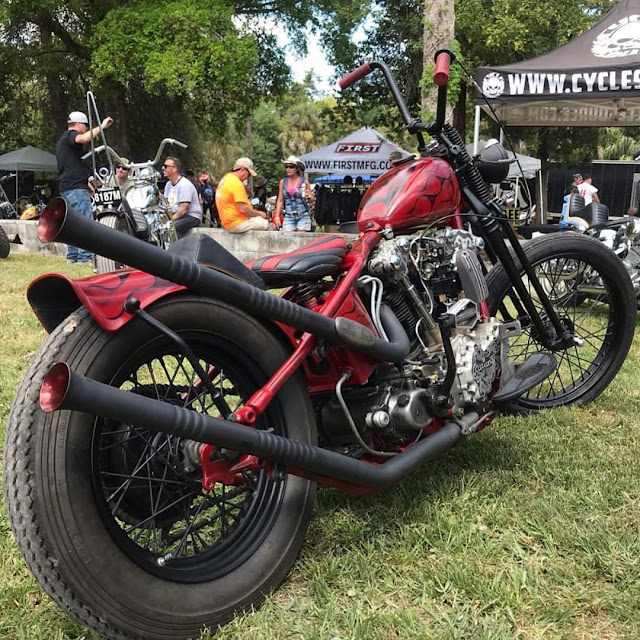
(493, 85)
(621, 39)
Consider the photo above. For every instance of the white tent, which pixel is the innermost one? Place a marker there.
(363, 152)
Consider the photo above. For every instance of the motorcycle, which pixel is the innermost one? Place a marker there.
(165, 446)
(142, 211)
(8, 210)
(621, 235)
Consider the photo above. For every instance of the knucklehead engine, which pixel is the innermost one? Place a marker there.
(435, 285)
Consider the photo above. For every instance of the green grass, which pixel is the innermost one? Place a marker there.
(530, 529)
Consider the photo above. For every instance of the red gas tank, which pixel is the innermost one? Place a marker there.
(411, 195)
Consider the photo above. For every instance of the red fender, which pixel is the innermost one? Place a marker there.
(54, 296)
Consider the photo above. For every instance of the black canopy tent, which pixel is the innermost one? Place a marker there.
(593, 80)
(28, 159)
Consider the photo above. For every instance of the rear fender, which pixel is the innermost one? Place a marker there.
(54, 296)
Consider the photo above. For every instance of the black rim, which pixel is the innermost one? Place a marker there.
(148, 488)
(583, 299)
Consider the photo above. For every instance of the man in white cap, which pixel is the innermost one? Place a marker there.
(74, 174)
(235, 211)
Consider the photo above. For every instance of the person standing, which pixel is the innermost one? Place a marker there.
(261, 191)
(182, 197)
(294, 197)
(74, 182)
(235, 211)
(575, 184)
(207, 198)
(588, 191)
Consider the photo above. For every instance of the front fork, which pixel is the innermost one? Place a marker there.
(496, 235)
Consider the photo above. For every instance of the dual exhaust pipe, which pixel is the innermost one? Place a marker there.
(64, 389)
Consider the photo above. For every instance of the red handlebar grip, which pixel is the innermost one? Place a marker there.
(441, 73)
(355, 75)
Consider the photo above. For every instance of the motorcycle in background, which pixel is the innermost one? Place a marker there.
(8, 210)
(142, 211)
(620, 234)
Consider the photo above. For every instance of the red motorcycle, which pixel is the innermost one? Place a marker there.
(165, 445)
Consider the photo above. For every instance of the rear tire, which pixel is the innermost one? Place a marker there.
(98, 506)
(119, 223)
(5, 245)
(590, 290)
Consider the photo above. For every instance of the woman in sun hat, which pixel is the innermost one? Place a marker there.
(295, 198)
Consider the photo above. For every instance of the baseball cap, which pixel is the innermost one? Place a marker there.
(245, 163)
(78, 116)
(577, 176)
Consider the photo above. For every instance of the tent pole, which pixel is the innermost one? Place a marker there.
(476, 130)
(543, 214)
(17, 194)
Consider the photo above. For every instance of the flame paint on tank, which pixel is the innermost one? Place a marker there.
(411, 195)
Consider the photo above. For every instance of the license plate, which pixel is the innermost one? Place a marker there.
(107, 196)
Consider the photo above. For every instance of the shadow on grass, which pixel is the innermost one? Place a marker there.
(486, 461)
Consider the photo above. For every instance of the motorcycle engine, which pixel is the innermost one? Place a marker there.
(429, 282)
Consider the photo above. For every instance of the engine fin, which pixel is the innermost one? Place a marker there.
(471, 277)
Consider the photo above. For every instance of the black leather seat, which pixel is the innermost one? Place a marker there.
(206, 251)
(319, 258)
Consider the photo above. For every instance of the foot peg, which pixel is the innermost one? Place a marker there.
(536, 368)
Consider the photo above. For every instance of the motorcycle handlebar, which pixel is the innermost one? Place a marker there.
(7, 177)
(355, 75)
(131, 165)
(165, 142)
(443, 60)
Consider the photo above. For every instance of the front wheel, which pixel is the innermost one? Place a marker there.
(119, 223)
(113, 520)
(591, 292)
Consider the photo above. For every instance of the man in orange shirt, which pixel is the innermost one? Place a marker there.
(232, 201)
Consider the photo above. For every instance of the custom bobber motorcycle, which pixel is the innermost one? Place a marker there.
(165, 446)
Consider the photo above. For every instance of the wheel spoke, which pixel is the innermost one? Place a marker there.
(155, 498)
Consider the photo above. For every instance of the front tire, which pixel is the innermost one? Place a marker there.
(591, 292)
(110, 519)
(119, 223)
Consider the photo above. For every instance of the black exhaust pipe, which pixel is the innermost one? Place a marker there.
(59, 222)
(63, 389)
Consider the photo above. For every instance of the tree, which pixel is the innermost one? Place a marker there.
(439, 30)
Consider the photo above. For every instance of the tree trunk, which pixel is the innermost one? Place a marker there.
(115, 105)
(439, 23)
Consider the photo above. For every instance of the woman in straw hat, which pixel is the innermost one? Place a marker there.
(295, 198)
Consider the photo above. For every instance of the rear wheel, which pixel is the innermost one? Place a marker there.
(119, 223)
(153, 555)
(592, 294)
